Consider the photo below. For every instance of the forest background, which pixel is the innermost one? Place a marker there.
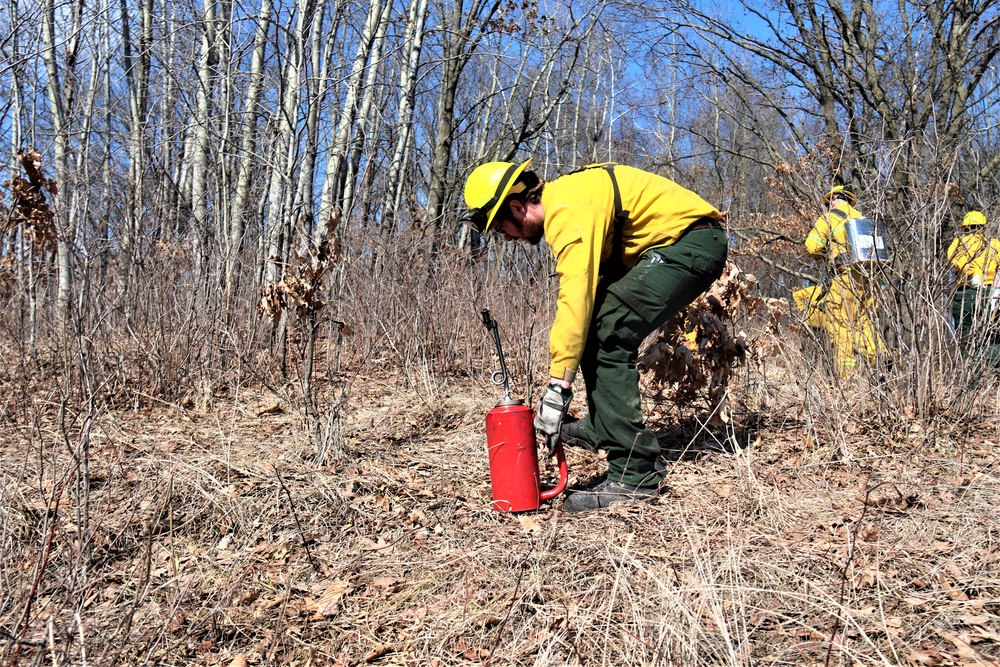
(242, 340)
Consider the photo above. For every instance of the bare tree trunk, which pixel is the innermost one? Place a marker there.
(459, 45)
(61, 97)
(225, 138)
(360, 132)
(173, 185)
(248, 145)
(279, 190)
(201, 138)
(137, 68)
(412, 45)
(302, 208)
(333, 182)
(17, 241)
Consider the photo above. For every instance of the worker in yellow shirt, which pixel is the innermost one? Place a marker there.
(976, 258)
(632, 249)
(844, 310)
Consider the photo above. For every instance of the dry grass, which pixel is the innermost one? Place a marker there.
(212, 540)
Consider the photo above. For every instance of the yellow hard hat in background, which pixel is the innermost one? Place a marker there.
(487, 186)
(973, 219)
(840, 192)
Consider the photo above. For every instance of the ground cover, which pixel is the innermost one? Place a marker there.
(211, 538)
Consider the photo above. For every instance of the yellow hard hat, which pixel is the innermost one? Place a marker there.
(973, 219)
(487, 186)
(840, 192)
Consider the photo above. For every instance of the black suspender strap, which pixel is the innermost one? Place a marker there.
(616, 264)
(615, 267)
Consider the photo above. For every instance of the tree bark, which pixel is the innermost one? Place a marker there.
(332, 192)
(410, 62)
(248, 146)
(201, 139)
(460, 42)
(364, 112)
(280, 191)
(60, 89)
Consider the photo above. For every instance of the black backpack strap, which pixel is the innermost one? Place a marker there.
(616, 264)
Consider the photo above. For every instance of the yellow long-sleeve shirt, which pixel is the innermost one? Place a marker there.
(829, 235)
(976, 258)
(579, 213)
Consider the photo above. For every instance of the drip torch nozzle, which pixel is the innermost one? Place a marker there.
(498, 377)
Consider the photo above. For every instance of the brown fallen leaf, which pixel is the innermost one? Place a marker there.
(329, 603)
(368, 544)
(239, 661)
(926, 656)
(723, 490)
(956, 593)
(378, 652)
(975, 619)
(273, 409)
(274, 602)
(385, 582)
(962, 645)
(869, 533)
(530, 526)
(956, 571)
(177, 621)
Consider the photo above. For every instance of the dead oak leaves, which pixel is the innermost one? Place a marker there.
(330, 601)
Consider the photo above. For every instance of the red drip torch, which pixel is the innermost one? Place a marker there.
(510, 438)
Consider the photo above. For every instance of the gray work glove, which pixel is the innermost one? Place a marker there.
(551, 412)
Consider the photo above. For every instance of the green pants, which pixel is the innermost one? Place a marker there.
(663, 282)
(977, 325)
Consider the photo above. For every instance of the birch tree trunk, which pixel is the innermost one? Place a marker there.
(174, 185)
(412, 45)
(201, 141)
(248, 144)
(302, 208)
(61, 97)
(332, 184)
(279, 190)
(224, 141)
(17, 241)
(360, 132)
(136, 60)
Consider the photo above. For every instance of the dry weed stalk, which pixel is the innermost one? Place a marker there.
(299, 291)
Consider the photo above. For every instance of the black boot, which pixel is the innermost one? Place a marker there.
(608, 492)
(575, 435)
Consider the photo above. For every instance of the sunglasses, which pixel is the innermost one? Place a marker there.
(475, 219)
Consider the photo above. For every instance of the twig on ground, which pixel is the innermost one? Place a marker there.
(291, 507)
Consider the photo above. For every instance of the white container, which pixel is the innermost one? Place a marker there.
(865, 242)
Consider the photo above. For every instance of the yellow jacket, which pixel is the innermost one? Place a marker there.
(829, 235)
(976, 258)
(579, 212)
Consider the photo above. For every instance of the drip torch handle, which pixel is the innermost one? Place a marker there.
(499, 377)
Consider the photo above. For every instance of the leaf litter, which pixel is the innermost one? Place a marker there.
(770, 554)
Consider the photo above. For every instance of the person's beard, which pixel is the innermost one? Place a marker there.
(533, 233)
